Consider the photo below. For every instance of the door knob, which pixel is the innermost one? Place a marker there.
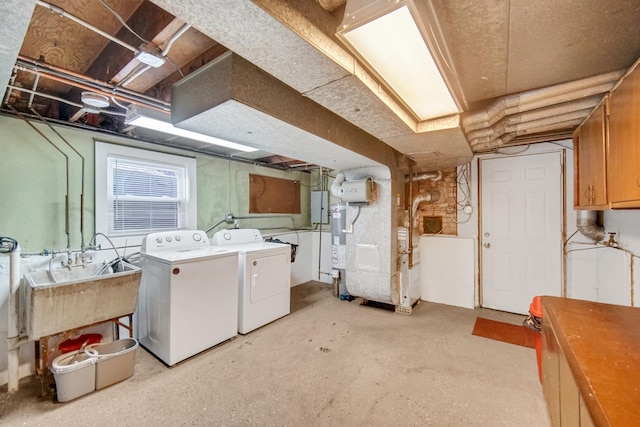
(487, 245)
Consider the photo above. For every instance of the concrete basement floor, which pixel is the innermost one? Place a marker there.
(329, 362)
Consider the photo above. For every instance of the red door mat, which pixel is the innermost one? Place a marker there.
(505, 332)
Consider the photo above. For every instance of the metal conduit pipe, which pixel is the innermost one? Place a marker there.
(63, 13)
(66, 197)
(25, 63)
(98, 89)
(134, 75)
(586, 222)
(44, 95)
(10, 86)
(33, 92)
(164, 53)
(81, 176)
(173, 39)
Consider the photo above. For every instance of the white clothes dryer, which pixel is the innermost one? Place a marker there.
(188, 294)
(264, 276)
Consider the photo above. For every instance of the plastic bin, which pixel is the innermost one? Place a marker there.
(115, 361)
(73, 377)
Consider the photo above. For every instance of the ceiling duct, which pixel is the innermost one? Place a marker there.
(558, 107)
(232, 99)
(323, 71)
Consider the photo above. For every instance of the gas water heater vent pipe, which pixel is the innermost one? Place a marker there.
(433, 176)
(337, 182)
(432, 196)
(586, 222)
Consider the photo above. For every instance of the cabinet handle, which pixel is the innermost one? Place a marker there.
(589, 194)
(638, 181)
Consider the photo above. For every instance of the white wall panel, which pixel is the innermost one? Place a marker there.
(447, 275)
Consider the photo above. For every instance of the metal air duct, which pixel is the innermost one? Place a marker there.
(587, 224)
(232, 99)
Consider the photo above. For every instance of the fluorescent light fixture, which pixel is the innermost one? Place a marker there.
(136, 119)
(391, 39)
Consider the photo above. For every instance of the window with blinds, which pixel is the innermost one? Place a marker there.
(144, 196)
(138, 192)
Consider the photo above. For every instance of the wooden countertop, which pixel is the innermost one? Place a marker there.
(602, 345)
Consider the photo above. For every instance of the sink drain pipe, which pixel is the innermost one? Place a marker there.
(8, 245)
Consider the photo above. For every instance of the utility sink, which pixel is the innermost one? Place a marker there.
(78, 297)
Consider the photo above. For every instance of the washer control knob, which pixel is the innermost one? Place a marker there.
(227, 236)
(168, 238)
(158, 239)
(197, 237)
(178, 238)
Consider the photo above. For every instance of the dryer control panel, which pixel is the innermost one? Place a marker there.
(237, 236)
(174, 240)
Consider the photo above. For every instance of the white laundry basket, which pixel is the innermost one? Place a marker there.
(75, 375)
(115, 361)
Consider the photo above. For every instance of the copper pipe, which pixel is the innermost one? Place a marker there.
(81, 173)
(66, 197)
(94, 89)
(99, 82)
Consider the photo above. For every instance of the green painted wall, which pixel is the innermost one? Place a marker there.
(33, 186)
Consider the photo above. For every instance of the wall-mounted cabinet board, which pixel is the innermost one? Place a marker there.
(273, 195)
(624, 143)
(590, 161)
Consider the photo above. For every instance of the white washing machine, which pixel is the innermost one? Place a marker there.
(264, 276)
(188, 298)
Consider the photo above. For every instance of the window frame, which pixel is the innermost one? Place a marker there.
(103, 151)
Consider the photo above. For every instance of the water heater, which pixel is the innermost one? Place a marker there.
(339, 242)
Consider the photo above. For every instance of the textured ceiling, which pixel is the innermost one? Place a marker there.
(500, 51)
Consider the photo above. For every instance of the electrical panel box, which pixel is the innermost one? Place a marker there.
(320, 207)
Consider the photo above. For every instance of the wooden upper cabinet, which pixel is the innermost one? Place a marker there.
(590, 162)
(624, 143)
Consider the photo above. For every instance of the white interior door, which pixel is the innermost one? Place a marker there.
(521, 230)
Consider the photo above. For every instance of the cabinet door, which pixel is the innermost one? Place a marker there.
(624, 143)
(591, 162)
(551, 373)
(569, 396)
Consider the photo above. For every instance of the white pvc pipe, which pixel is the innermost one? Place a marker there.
(13, 330)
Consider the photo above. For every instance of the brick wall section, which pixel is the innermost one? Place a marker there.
(445, 207)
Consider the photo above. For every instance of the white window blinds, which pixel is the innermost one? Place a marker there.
(144, 196)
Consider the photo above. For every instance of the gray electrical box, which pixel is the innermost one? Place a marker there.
(320, 207)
